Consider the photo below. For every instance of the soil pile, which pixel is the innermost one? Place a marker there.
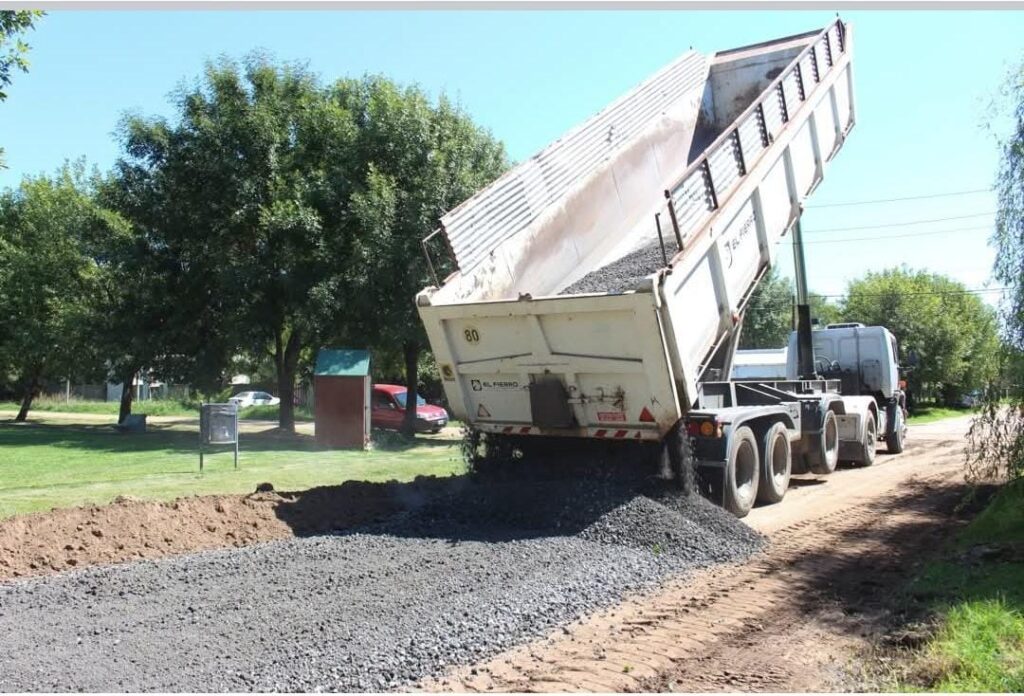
(129, 529)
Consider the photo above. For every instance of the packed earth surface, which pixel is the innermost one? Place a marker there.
(456, 584)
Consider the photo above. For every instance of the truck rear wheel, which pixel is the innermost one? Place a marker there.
(776, 465)
(742, 471)
(823, 455)
(894, 439)
(870, 440)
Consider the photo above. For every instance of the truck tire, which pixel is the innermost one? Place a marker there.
(870, 440)
(776, 465)
(894, 438)
(823, 453)
(742, 471)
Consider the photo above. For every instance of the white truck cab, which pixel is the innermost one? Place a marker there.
(863, 357)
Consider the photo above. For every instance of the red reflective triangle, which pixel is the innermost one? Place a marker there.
(645, 416)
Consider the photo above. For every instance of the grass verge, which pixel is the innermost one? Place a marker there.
(56, 462)
(154, 407)
(930, 414)
(976, 592)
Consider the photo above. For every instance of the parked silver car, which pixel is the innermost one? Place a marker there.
(254, 398)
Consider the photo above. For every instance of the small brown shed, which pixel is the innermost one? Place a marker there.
(341, 402)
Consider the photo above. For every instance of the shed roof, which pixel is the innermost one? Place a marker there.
(342, 362)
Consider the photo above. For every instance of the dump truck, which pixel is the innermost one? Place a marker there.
(596, 290)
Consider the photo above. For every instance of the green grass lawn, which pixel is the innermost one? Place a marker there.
(979, 645)
(930, 414)
(50, 463)
(154, 407)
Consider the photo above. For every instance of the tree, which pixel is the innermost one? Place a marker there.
(136, 288)
(996, 438)
(415, 160)
(13, 23)
(246, 195)
(952, 332)
(291, 213)
(824, 311)
(768, 319)
(49, 281)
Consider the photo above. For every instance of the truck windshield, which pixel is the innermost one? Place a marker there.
(400, 398)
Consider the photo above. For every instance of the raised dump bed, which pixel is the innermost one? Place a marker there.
(688, 181)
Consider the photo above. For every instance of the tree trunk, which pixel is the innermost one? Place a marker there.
(127, 394)
(31, 389)
(411, 349)
(286, 360)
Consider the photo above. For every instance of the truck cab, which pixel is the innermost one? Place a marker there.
(863, 358)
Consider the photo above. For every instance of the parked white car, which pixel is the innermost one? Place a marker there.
(254, 398)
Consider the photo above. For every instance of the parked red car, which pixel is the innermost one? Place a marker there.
(388, 410)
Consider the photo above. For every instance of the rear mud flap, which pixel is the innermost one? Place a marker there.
(710, 481)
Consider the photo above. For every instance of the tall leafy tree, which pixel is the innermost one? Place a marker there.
(996, 438)
(137, 289)
(952, 332)
(13, 49)
(50, 228)
(415, 159)
(246, 194)
(768, 318)
(283, 215)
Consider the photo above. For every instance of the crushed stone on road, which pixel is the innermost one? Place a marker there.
(472, 570)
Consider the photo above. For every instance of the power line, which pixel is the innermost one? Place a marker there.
(895, 236)
(898, 224)
(977, 291)
(904, 198)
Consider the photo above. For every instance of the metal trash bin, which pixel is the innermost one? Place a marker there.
(218, 425)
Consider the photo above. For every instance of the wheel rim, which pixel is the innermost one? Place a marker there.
(831, 439)
(780, 459)
(745, 471)
(870, 438)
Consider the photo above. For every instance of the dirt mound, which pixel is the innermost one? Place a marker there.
(130, 529)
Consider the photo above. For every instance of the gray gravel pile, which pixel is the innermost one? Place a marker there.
(626, 273)
(460, 578)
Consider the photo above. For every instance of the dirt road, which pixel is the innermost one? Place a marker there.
(792, 619)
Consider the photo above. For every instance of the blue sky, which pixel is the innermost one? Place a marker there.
(923, 80)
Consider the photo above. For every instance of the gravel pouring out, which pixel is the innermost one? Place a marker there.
(463, 575)
(626, 273)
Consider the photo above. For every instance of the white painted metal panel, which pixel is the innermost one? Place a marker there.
(826, 121)
(693, 318)
(610, 353)
(802, 153)
(507, 206)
